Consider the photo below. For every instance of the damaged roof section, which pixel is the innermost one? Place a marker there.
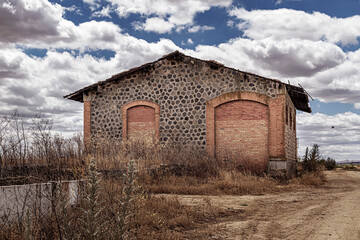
(299, 97)
(297, 94)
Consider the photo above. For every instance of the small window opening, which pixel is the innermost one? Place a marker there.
(294, 120)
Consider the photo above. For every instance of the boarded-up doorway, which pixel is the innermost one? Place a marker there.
(242, 131)
(141, 123)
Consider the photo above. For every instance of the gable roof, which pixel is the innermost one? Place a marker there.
(297, 94)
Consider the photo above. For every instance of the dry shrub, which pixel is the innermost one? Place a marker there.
(190, 172)
(111, 154)
(226, 182)
(157, 217)
(349, 167)
(310, 179)
(38, 227)
(160, 168)
(245, 166)
(147, 154)
(239, 183)
(162, 217)
(31, 152)
(180, 185)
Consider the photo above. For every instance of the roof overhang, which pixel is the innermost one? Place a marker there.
(297, 94)
(299, 97)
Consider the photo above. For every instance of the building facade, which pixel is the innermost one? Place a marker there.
(229, 113)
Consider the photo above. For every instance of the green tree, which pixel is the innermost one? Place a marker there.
(311, 158)
(330, 164)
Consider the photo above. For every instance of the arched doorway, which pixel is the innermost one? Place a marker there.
(141, 121)
(238, 128)
(242, 131)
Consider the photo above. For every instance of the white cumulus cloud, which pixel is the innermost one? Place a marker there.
(175, 14)
(155, 24)
(289, 24)
(104, 12)
(24, 21)
(337, 84)
(198, 28)
(278, 2)
(338, 135)
(284, 44)
(276, 59)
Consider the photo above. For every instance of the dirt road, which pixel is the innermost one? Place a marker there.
(328, 212)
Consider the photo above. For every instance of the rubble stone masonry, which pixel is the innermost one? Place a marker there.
(290, 135)
(173, 97)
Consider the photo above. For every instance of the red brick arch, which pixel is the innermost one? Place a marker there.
(227, 98)
(242, 132)
(142, 113)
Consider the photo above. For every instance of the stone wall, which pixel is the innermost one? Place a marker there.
(290, 134)
(181, 89)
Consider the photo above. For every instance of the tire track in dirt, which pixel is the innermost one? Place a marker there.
(328, 212)
(342, 219)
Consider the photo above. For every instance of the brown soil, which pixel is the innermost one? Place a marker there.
(331, 211)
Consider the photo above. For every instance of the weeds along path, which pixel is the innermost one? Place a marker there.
(328, 212)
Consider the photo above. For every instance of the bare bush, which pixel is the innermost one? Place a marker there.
(31, 152)
(118, 201)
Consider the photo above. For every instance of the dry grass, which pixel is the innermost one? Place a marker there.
(228, 182)
(161, 168)
(153, 217)
(159, 217)
(349, 167)
(310, 179)
(166, 218)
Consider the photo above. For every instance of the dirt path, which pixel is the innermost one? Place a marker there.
(328, 212)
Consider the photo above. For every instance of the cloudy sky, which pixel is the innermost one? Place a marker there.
(49, 49)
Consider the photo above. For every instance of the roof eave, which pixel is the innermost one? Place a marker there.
(303, 105)
(299, 98)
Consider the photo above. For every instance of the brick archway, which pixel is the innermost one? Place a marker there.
(223, 99)
(140, 118)
(242, 132)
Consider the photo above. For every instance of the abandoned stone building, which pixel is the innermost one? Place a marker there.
(227, 112)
